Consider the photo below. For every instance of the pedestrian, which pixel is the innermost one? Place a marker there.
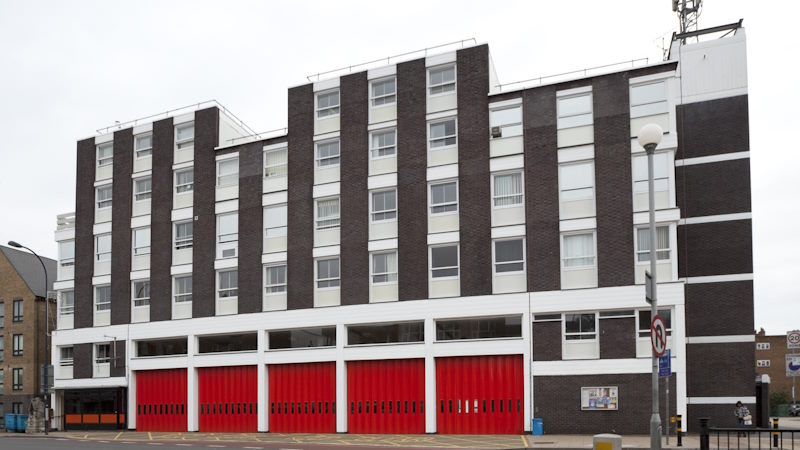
(743, 416)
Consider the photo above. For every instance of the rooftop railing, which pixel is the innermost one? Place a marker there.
(572, 75)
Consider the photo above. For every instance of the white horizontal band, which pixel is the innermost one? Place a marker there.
(720, 339)
(712, 159)
(718, 278)
(716, 218)
(718, 400)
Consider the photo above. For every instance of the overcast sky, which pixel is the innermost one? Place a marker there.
(69, 68)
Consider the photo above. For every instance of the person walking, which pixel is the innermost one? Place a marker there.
(743, 416)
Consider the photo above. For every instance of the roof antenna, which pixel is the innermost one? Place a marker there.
(688, 13)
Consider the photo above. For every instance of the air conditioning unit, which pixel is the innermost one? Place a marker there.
(497, 132)
(229, 252)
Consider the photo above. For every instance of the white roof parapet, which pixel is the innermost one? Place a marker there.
(65, 221)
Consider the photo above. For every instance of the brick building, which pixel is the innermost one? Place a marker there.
(770, 359)
(423, 250)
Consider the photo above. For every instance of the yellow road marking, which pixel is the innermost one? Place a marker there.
(149, 436)
(86, 436)
(524, 441)
(118, 435)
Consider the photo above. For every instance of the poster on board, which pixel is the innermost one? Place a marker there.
(602, 398)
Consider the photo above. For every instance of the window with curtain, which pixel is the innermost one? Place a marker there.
(141, 293)
(184, 233)
(144, 145)
(184, 135)
(184, 181)
(104, 197)
(327, 213)
(578, 250)
(102, 298)
(384, 267)
(183, 289)
(228, 284)
(442, 134)
(67, 303)
(275, 279)
(508, 189)
(275, 218)
(509, 255)
(580, 326)
(643, 244)
(103, 247)
(328, 153)
(276, 163)
(228, 227)
(66, 253)
(383, 143)
(141, 241)
(228, 172)
(508, 119)
(661, 171)
(649, 99)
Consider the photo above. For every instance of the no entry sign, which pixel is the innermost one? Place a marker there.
(658, 335)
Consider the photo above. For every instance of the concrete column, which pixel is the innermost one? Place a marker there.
(263, 391)
(191, 385)
(527, 373)
(341, 380)
(430, 377)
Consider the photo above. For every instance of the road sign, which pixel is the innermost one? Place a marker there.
(648, 287)
(658, 335)
(793, 339)
(793, 365)
(664, 364)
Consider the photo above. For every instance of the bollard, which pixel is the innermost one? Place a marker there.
(680, 430)
(775, 433)
(704, 444)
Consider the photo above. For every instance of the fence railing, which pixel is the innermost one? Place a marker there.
(748, 437)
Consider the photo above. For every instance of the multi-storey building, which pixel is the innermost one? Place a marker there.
(421, 251)
(770, 359)
(22, 319)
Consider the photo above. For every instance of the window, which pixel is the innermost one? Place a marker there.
(580, 327)
(102, 298)
(442, 134)
(228, 284)
(183, 235)
(227, 172)
(141, 241)
(103, 247)
(67, 357)
(143, 145)
(444, 197)
(17, 345)
(644, 322)
(509, 255)
(481, 328)
(16, 375)
(384, 267)
(141, 293)
(66, 253)
(762, 345)
(661, 169)
(383, 143)
(442, 79)
(275, 279)
(649, 99)
(183, 289)
(576, 181)
(275, 163)
(643, 244)
(67, 303)
(328, 213)
(383, 91)
(227, 343)
(2, 314)
(762, 363)
(2, 348)
(275, 221)
(578, 251)
(102, 354)
(385, 333)
(17, 310)
(575, 111)
(384, 205)
(303, 337)
(104, 194)
(143, 188)
(328, 104)
(227, 233)
(328, 273)
(162, 347)
(184, 135)
(105, 154)
(444, 261)
(328, 153)
(507, 120)
(184, 180)
(507, 189)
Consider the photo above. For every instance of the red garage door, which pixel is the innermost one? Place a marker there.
(479, 395)
(228, 399)
(161, 400)
(386, 396)
(302, 398)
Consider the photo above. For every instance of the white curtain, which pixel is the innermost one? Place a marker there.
(579, 250)
(508, 189)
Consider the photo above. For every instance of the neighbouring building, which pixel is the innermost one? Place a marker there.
(422, 251)
(770, 359)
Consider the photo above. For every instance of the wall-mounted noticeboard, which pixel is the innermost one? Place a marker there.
(599, 398)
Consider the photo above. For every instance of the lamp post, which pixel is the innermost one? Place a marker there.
(46, 325)
(649, 138)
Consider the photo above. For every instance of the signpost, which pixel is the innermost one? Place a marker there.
(648, 287)
(793, 343)
(665, 371)
(793, 339)
(658, 335)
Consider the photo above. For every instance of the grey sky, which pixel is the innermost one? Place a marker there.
(69, 68)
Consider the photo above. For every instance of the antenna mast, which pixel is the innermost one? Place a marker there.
(688, 13)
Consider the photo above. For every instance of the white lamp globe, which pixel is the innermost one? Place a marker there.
(650, 135)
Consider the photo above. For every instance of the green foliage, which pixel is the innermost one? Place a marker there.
(778, 398)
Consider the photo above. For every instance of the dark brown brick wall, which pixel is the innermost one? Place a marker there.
(300, 242)
(84, 237)
(412, 199)
(720, 370)
(719, 415)
(719, 308)
(474, 206)
(715, 248)
(161, 221)
(547, 341)
(354, 170)
(82, 355)
(251, 226)
(713, 127)
(206, 126)
(715, 188)
(612, 158)
(118, 363)
(541, 189)
(617, 338)
(121, 228)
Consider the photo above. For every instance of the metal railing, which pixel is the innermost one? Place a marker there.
(581, 73)
(277, 132)
(748, 437)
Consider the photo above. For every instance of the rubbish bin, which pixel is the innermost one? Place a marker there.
(11, 422)
(537, 426)
(22, 423)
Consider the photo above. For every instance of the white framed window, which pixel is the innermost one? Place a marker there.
(105, 154)
(328, 153)
(67, 307)
(184, 135)
(328, 275)
(383, 205)
(102, 247)
(648, 99)
(184, 181)
(141, 293)
(443, 197)
(328, 103)
(184, 235)
(383, 143)
(383, 91)
(580, 326)
(763, 363)
(141, 241)
(578, 250)
(228, 286)
(762, 345)
(327, 212)
(227, 172)
(507, 189)
(576, 181)
(66, 357)
(574, 110)
(276, 163)
(507, 121)
(643, 244)
(102, 298)
(143, 145)
(142, 188)
(384, 267)
(104, 197)
(102, 353)
(442, 79)
(442, 133)
(275, 278)
(275, 218)
(509, 255)
(183, 289)
(444, 261)
(643, 319)
(66, 253)
(227, 235)
(661, 171)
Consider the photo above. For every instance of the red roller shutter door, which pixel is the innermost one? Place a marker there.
(228, 399)
(161, 400)
(386, 396)
(302, 398)
(480, 395)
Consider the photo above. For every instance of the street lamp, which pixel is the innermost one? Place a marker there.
(46, 325)
(649, 138)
